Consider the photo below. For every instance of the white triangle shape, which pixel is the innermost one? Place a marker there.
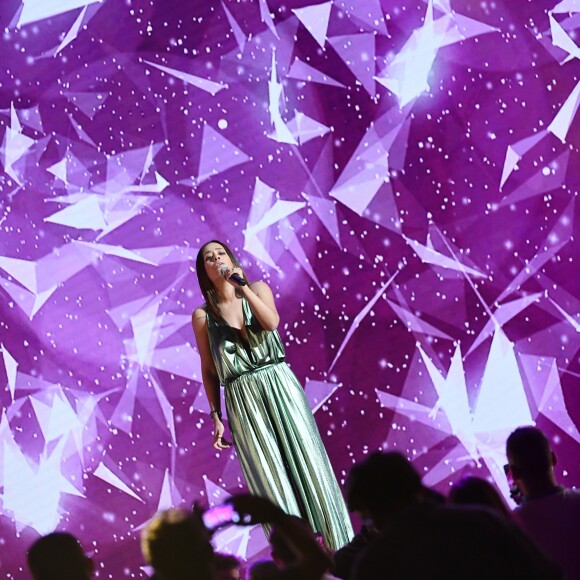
(104, 473)
(217, 154)
(304, 72)
(315, 20)
(357, 51)
(11, 369)
(59, 169)
(325, 210)
(309, 128)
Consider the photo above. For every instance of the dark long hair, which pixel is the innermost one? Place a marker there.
(472, 490)
(206, 286)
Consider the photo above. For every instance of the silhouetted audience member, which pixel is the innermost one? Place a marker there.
(58, 556)
(472, 490)
(227, 567)
(345, 557)
(262, 570)
(177, 546)
(550, 514)
(285, 555)
(421, 539)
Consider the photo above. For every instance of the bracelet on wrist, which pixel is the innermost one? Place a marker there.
(216, 412)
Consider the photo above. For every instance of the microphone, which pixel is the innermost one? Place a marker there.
(235, 277)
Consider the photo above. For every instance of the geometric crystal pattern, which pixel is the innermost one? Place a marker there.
(404, 175)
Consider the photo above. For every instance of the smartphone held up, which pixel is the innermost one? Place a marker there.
(223, 515)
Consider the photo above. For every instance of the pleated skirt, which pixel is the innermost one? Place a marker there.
(280, 450)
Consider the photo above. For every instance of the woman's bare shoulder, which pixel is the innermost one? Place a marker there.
(200, 313)
(259, 285)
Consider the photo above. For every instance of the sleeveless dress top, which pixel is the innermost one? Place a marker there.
(272, 427)
(233, 355)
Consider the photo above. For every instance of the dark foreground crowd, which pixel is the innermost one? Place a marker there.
(409, 531)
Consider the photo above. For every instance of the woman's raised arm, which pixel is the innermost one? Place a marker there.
(261, 301)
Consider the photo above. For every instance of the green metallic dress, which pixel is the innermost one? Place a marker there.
(272, 427)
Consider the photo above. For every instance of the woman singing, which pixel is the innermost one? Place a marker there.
(271, 424)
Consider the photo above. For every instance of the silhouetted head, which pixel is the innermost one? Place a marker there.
(381, 485)
(176, 544)
(471, 490)
(57, 556)
(282, 553)
(529, 454)
(227, 567)
(262, 570)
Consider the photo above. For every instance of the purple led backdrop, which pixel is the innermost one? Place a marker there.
(405, 176)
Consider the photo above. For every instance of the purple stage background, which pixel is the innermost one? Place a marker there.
(404, 174)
